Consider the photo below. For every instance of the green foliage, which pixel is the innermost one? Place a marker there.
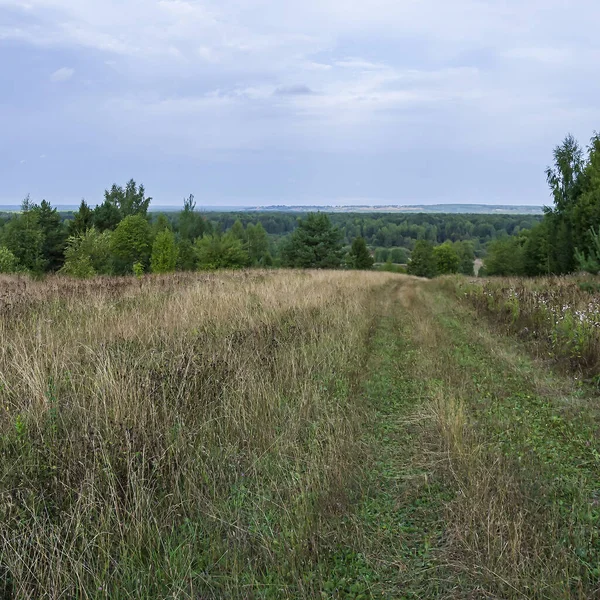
(505, 257)
(221, 252)
(446, 259)
(466, 257)
(164, 253)
(106, 216)
(8, 261)
(359, 256)
(258, 243)
(131, 243)
(24, 237)
(138, 269)
(129, 201)
(315, 244)
(238, 232)
(590, 262)
(186, 255)
(191, 225)
(82, 220)
(423, 261)
(54, 235)
(162, 222)
(88, 254)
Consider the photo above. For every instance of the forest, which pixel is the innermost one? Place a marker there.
(567, 239)
(123, 236)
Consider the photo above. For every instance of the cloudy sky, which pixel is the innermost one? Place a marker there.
(293, 101)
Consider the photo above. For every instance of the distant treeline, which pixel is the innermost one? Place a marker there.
(121, 236)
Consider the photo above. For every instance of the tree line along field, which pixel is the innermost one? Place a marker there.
(121, 233)
(298, 434)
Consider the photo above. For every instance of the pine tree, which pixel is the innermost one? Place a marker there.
(315, 244)
(359, 256)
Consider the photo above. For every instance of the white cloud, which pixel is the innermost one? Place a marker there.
(62, 74)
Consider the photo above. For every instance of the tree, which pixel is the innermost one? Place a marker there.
(238, 232)
(536, 251)
(565, 180)
(258, 243)
(505, 257)
(186, 256)
(129, 201)
(24, 237)
(131, 243)
(446, 259)
(106, 216)
(399, 256)
(164, 253)
(359, 256)
(590, 262)
(221, 252)
(422, 261)
(88, 254)
(191, 225)
(54, 235)
(162, 222)
(8, 261)
(82, 220)
(315, 244)
(466, 257)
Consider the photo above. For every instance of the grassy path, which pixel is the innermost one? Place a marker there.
(483, 479)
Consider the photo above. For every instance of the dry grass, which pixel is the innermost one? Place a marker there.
(184, 436)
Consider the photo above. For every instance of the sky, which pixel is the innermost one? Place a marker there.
(258, 102)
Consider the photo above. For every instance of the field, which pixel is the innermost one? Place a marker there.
(298, 434)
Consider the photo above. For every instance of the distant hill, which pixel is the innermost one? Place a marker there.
(483, 209)
(488, 209)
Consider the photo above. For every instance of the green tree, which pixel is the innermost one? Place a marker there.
(258, 243)
(423, 261)
(315, 244)
(565, 180)
(164, 253)
(505, 257)
(221, 252)
(106, 216)
(82, 220)
(162, 222)
(359, 256)
(186, 255)
(536, 251)
(24, 237)
(131, 243)
(191, 225)
(237, 231)
(466, 257)
(8, 261)
(399, 256)
(88, 254)
(446, 259)
(54, 235)
(130, 200)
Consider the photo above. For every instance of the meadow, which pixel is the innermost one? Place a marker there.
(175, 436)
(298, 434)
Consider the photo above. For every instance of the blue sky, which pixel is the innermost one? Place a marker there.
(246, 102)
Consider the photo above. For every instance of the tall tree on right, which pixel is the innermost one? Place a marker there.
(565, 181)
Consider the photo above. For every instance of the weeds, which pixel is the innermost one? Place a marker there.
(181, 436)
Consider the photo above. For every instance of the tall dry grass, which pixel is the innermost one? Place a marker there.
(183, 436)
